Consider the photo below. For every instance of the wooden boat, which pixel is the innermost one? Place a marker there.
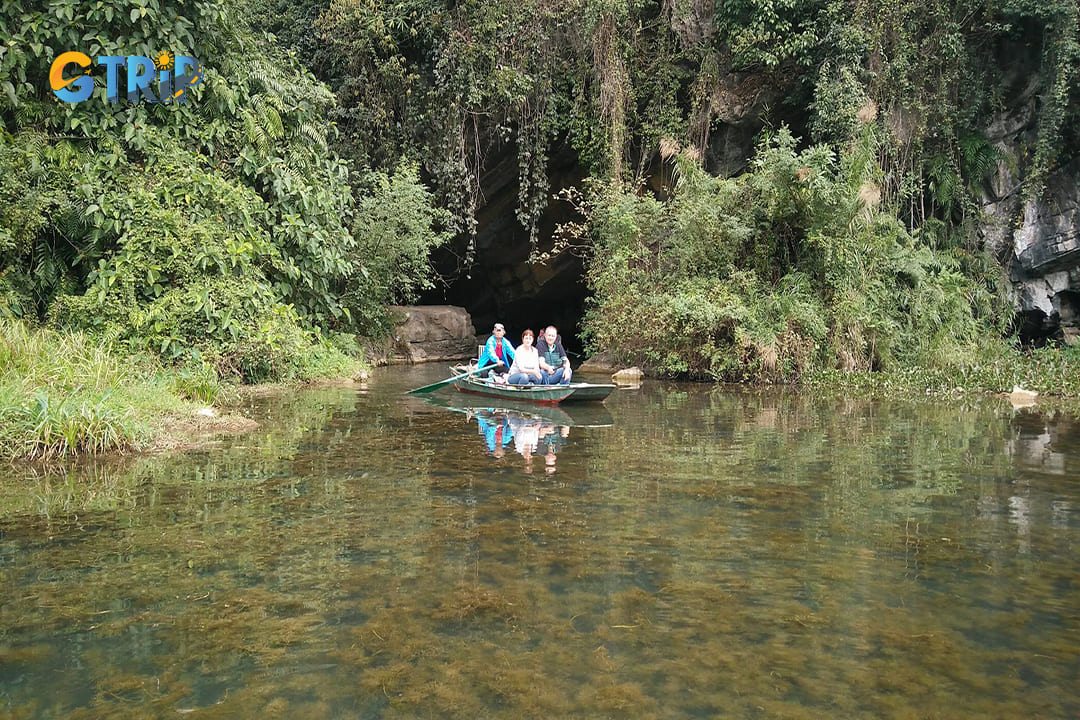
(547, 394)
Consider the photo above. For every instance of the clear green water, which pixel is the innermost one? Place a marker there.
(688, 552)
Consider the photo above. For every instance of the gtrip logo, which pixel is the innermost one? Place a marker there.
(175, 75)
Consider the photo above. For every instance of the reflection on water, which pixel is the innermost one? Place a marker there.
(532, 429)
(696, 553)
(528, 433)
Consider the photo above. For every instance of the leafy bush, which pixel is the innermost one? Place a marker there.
(396, 227)
(217, 231)
(788, 269)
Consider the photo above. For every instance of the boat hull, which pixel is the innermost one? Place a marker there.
(544, 394)
(588, 391)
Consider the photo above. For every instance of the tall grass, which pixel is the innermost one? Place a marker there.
(62, 394)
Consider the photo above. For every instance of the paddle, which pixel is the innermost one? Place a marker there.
(435, 386)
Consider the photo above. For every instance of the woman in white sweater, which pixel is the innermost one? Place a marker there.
(526, 367)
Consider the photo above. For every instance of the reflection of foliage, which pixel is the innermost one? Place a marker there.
(706, 540)
(780, 438)
(111, 483)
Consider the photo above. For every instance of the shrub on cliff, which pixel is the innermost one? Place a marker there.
(789, 268)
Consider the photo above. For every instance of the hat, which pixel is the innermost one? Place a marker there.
(498, 326)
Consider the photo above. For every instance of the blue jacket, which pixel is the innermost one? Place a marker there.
(489, 358)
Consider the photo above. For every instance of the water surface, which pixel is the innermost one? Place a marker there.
(681, 551)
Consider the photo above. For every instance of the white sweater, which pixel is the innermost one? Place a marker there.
(526, 360)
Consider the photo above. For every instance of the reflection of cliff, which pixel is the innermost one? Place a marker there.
(1039, 445)
(1043, 442)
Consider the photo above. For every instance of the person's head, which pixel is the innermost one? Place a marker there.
(499, 330)
(551, 335)
(527, 337)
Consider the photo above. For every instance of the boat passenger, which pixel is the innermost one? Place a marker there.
(554, 364)
(525, 369)
(498, 351)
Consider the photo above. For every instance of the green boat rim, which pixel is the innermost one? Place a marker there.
(548, 394)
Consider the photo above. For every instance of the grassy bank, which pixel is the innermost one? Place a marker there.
(65, 394)
(1050, 371)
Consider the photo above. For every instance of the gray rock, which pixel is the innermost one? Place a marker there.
(599, 363)
(630, 376)
(429, 333)
(1037, 240)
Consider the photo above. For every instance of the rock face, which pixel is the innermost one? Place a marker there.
(630, 376)
(429, 333)
(1045, 262)
(1036, 239)
(601, 362)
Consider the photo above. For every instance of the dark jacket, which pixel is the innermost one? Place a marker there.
(553, 356)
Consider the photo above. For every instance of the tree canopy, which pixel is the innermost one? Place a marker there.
(331, 144)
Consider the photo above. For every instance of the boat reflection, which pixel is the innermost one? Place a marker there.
(527, 429)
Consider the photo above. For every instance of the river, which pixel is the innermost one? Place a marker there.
(681, 551)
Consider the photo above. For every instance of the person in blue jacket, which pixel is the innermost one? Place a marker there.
(496, 429)
(498, 352)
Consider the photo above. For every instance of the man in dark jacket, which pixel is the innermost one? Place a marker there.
(554, 365)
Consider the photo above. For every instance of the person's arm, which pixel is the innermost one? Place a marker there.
(488, 356)
(562, 351)
(535, 364)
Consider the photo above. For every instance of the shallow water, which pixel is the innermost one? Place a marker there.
(682, 551)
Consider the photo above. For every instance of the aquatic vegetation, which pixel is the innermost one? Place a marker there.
(711, 553)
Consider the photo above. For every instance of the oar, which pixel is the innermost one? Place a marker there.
(435, 386)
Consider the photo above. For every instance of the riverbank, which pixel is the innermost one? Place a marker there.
(1052, 374)
(65, 395)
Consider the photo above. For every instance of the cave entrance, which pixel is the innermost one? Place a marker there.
(522, 296)
(502, 285)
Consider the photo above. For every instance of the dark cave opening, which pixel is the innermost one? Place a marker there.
(501, 284)
(489, 298)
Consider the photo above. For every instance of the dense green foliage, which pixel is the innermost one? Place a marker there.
(220, 230)
(790, 268)
(262, 225)
(451, 85)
